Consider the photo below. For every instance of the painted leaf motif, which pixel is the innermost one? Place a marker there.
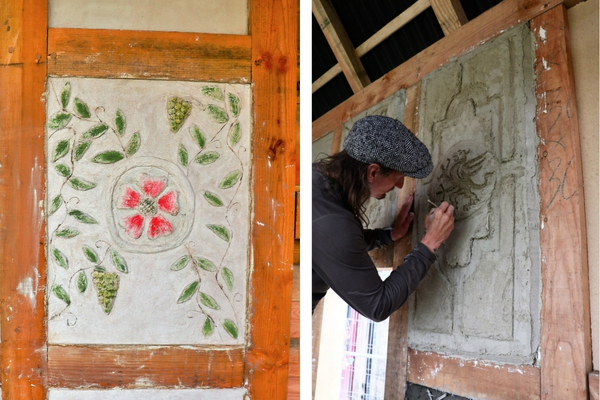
(180, 263)
(95, 131)
(213, 199)
(183, 155)
(230, 179)
(59, 120)
(133, 145)
(80, 149)
(120, 122)
(108, 157)
(208, 328)
(99, 268)
(198, 136)
(61, 149)
(63, 170)
(188, 292)
(81, 184)
(66, 233)
(55, 205)
(213, 92)
(234, 134)
(82, 217)
(60, 258)
(217, 113)
(205, 264)
(118, 261)
(230, 328)
(82, 282)
(209, 301)
(220, 231)
(234, 104)
(65, 95)
(61, 293)
(227, 277)
(81, 108)
(207, 158)
(90, 254)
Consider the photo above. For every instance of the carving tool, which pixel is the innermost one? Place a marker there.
(432, 203)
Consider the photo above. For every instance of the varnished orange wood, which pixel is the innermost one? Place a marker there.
(127, 366)
(22, 265)
(104, 53)
(565, 314)
(273, 25)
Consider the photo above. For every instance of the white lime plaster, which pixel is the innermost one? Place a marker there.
(147, 394)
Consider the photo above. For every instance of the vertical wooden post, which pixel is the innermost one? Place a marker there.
(274, 51)
(23, 269)
(565, 314)
(337, 140)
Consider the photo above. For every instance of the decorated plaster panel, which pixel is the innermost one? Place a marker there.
(148, 209)
(482, 295)
(147, 394)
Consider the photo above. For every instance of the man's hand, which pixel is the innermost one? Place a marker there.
(439, 222)
(403, 219)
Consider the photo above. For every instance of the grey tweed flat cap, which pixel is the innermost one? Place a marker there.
(387, 142)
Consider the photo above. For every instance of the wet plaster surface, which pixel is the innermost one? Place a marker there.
(321, 147)
(481, 298)
(418, 392)
(147, 394)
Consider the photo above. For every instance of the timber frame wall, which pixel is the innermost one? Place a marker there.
(565, 315)
(266, 57)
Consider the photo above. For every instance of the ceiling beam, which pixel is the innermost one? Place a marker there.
(340, 43)
(449, 14)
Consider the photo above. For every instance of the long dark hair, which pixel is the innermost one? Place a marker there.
(348, 178)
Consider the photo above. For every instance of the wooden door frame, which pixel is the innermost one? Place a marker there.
(266, 58)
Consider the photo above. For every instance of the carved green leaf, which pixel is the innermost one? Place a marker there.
(82, 217)
(95, 131)
(178, 110)
(118, 261)
(180, 263)
(213, 92)
(188, 292)
(120, 122)
(107, 285)
(217, 113)
(230, 179)
(61, 293)
(183, 155)
(230, 328)
(66, 233)
(235, 134)
(82, 282)
(61, 149)
(205, 264)
(63, 170)
(59, 120)
(198, 136)
(60, 258)
(227, 277)
(65, 95)
(108, 157)
(81, 184)
(207, 158)
(80, 149)
(213, 199)
(234, 104)
(220, 231)
(133, 145)
(55, 204)
(81, 108)
(209, 301)
(90, 254)
(208, 328)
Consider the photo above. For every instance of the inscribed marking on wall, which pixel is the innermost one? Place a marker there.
(148, 211)
(476, 117)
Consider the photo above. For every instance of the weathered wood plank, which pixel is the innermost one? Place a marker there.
(295, 320)
(294, 358)
(474, 379)
(450, 14)
(565, 314)
(593, 385)
(274, 77)
(168, 366)
(102, 53)
(296, 283)
(22, 266)
(337, 140)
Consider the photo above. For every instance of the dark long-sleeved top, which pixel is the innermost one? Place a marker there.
(341, 261)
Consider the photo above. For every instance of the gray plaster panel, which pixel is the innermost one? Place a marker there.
(321, 147)
(147, 394)
(481, 298)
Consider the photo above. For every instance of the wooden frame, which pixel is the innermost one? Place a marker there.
(267, 58)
